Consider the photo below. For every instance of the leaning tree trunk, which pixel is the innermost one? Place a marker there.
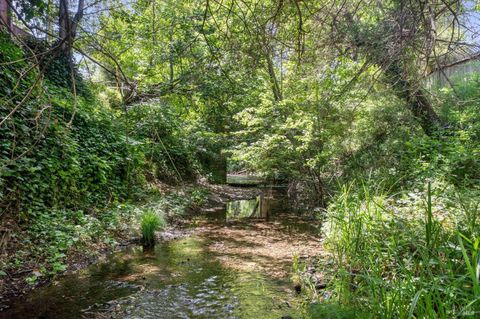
(5, 14)
(416, 99)
(268, 53)
(277, 93)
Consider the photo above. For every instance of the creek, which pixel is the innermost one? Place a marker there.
(235, 262)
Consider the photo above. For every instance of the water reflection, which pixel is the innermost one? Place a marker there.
(266, 205)
(245, 208)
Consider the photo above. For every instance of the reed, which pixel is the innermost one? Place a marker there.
(150, 222)
(402, 265)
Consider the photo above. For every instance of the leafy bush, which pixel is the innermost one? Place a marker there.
(161, 136)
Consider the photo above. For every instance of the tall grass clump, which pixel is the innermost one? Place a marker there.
(404, 257)
(150, 222)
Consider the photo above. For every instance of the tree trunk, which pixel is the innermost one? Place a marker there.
(68, 26)
(5, 14)
(416, 99)
(49, 22)
(154, 33)
(268, 53)
(63, 24)
(422, 109)
(171, 55)
(277, 93)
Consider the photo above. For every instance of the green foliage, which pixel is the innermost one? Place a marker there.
(100, 158)
(198, 196)
(150, 222)
(334, 311)
(55, 67)
(64, 164)
(392, 262)
(47, 164)
(158, 131)
(71, 167)
(182, 83)
(32, 9)
(53, 236)
(403, 157)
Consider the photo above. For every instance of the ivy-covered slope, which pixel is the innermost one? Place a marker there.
(71, 163)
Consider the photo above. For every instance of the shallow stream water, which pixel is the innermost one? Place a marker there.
(234, 265)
